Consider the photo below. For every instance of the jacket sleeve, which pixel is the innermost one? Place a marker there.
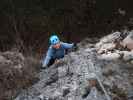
(48, 56)
(67, 45)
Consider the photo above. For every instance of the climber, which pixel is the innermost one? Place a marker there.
(56, 51)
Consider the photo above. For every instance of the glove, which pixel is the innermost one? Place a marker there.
(74, 44)
(75, 47)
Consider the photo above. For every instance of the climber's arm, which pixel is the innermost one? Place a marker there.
(67, 45)
(48, 57)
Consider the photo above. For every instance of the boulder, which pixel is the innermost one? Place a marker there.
(3, 60)
(109, 56)
(106, 47)
(111, 37)
(127, 55)
(128, 41)
(131, 61)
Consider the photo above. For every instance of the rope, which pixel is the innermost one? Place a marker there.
(105, 92)
(93, 69)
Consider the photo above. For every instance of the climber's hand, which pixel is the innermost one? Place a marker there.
(75, 47)
(57, 61)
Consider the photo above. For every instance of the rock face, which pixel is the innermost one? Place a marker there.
(70, 79)
(65, 80)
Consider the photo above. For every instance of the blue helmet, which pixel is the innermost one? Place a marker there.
(54, 39)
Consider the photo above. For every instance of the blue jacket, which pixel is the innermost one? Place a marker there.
(53, 53)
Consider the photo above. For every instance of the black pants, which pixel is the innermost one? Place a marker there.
(51, 62)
